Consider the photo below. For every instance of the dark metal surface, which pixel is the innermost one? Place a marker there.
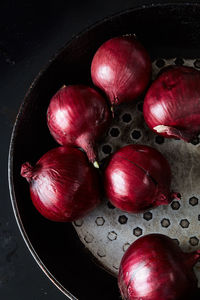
(30, 33)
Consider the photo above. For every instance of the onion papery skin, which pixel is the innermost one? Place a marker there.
(138, 178)
(121, 67)
(78, 115)
(155, 268)
(64, 186)
(172, 103)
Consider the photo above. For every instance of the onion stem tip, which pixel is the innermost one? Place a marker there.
(96, 165)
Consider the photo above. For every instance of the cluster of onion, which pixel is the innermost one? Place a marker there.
(64, 185)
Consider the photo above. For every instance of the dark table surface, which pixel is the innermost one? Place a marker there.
(30, 33)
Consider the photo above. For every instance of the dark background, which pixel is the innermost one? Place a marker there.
(30, 33)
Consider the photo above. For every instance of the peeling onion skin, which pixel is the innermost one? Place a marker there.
(78, 115)
(138, 178)
(172, 103)
(64, 186)
(121, 67)
(155, 268)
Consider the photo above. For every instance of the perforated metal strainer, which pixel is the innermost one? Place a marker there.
(107, 232)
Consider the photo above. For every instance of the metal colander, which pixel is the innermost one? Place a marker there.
(107, 232)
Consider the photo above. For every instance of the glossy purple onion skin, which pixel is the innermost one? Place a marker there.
(138, 178)
(78, 115)
(173, 100)
(155, 268)
(121, 67)
(64, 186)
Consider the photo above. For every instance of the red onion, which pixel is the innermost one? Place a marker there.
(172, 103)
(121, 67)
(138, 178)
(78, 115)
(155, 268)
(63, 185)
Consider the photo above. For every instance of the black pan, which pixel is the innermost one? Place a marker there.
(171, 30)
